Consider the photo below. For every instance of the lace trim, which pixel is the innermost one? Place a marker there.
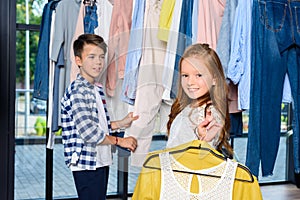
(176, 185)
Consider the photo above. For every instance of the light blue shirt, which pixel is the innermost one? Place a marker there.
(239, 66)
(225, 35)
(195, 22)
(134, 54)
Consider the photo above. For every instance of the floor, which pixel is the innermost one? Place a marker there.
(277, 192)
(280, 192)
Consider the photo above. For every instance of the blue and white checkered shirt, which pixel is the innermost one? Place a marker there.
(80, 124)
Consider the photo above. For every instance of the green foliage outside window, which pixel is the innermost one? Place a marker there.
(35, 10)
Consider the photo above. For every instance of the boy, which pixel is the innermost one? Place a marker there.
(86, 125)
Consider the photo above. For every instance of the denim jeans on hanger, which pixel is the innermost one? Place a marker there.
(275, 52)
(90, 19)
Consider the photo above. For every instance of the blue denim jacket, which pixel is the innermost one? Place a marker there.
(41, 77)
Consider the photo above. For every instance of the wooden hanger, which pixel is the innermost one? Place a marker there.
(200, 148)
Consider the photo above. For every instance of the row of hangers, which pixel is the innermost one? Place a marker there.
(85, 2)
(200, 148)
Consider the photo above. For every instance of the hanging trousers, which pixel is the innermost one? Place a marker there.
(275, 52)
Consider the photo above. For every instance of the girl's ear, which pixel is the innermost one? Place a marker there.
(78, 61)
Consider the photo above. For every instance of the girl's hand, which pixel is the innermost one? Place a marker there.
(126, 121)
(209, 128)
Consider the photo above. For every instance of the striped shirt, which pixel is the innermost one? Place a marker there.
(81, 131)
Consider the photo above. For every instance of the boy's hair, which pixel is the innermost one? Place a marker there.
(88, 39)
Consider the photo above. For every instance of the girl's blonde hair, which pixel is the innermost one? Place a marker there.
(217, 94)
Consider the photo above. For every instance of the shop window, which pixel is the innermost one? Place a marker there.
(30, 123)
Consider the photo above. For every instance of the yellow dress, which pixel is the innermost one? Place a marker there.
(148, 186)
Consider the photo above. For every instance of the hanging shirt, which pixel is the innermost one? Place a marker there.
(41, 76)
(184, 40)
(134, 55)
(64, 28)
(119, 33)
(209, 21)
(239, 64)
(225, 36)
(104, 12)
(165, 19)
(169, 63)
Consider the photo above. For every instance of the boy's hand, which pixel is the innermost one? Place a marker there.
(128, 142)
(126, 121)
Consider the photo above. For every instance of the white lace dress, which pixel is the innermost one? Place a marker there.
(177, 185)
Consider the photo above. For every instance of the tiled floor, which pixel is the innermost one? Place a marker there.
(280, 192)
(30, 170)
(277, 192)
(30, 173)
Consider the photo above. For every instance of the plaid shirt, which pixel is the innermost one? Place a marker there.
(80, 124)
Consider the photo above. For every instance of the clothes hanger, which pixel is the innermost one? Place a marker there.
(200, 147)
(89, 2)
(54, 4)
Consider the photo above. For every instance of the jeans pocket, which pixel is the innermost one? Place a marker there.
(272, 14)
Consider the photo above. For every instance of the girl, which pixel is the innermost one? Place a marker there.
(200, 110)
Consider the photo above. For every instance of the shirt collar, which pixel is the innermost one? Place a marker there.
(85, 82)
